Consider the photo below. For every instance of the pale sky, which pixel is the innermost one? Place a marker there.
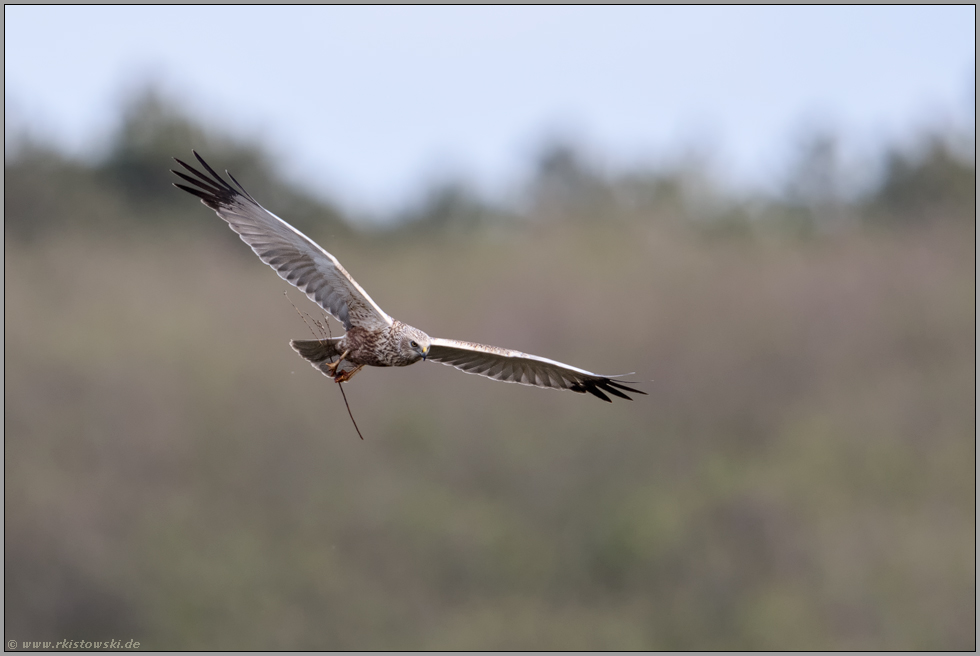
(368, 105)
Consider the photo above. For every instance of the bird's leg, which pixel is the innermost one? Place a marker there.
(332, 366)
(344, 376)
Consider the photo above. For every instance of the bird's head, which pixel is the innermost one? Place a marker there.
(414, 344)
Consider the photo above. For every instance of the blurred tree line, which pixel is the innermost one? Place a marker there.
(129, 183)
(48, 190)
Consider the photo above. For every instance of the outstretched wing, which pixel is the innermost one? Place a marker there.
(516, 367)
(295, 257)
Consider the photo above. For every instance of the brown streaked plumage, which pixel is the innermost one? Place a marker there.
(373, 338)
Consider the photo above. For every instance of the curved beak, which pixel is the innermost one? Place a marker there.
(425, 353)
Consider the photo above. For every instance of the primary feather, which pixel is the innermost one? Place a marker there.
(515, 367)
(294, 256)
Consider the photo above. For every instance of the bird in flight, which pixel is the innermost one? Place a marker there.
(372, 338)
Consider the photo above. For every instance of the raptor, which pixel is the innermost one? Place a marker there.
(372, 338)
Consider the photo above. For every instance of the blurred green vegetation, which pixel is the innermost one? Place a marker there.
(800, 477)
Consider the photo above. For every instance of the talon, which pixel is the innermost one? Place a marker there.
(332, 366)
(344, 376)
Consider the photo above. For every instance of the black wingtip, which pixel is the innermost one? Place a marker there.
(615, 392)
(594, 390)
(214, 190)
(239, 184)
(600, 386)
(619, 385)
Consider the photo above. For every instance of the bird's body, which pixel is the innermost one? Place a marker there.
(381, 348)
(372, 338)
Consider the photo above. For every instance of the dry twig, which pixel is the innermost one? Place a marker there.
(321, 326)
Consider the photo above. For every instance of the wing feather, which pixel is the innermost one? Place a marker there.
(516, 367)
(294, 256)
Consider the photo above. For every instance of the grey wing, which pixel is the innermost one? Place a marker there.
(294, 256)
(516, 367)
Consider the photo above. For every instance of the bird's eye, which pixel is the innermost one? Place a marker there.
(414, 345)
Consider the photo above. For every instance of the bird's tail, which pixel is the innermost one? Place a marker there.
(318, 352)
